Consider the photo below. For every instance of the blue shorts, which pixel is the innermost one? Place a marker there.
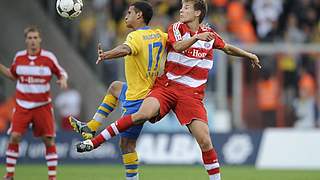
(130, 107)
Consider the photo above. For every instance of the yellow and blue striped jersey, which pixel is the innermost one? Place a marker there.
(142, 66)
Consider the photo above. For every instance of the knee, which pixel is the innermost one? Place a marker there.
(205, 143)
(15, 138)
(115, 88)
(127, 146)
(48, 141)
(141, 117)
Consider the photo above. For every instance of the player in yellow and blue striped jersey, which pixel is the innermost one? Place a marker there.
(143, 51)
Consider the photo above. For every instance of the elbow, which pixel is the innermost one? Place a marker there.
(10, 76)
(178, 49)
(226, 50)
(125, 52)
(229, 52)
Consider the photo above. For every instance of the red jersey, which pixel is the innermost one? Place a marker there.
(191, 66)
(33, 75)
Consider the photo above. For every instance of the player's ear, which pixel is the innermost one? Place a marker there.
(139, 15)
(198, 13)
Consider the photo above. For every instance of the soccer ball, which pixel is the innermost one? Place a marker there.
(69, 8)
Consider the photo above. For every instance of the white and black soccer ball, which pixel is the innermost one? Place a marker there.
(69, 8)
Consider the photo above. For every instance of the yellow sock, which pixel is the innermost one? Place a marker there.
(131, 162)
(106, 107)
(94, 125)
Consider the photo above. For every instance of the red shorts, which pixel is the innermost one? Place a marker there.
(185, 102)
(41, 118)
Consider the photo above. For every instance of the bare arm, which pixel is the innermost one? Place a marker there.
(235, 51)
(182, 45)
(119, 51)
(6, 72)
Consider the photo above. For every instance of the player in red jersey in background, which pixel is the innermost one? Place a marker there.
(181, 88)
(33, 69)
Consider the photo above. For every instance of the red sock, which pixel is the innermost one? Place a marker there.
(52, 161)
(12, 154)
(113, 129)
(211, 164)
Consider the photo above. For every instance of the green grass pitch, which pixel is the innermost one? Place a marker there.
(164, 172)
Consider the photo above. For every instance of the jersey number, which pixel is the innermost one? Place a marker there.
(151, 47)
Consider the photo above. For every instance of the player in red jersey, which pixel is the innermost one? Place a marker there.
(33, 69)
(181, 87)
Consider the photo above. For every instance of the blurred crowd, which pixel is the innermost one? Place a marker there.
(286, 89)
(244, 21)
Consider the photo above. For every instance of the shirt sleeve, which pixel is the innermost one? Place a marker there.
(133, 44)
(174, 33)
(218, 42)
(165, 35)
(165, 39)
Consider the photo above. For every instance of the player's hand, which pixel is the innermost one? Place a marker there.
(254, 60)
(206, 25)
(205, 36)
(63, 83)
(100, 54)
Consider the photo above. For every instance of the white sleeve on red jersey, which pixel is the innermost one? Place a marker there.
(56, 68)
(175, 32)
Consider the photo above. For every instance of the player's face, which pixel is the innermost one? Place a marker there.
(131, 17)
(33, 41)
(187, 12)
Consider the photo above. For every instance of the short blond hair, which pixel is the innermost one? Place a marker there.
(31, 28)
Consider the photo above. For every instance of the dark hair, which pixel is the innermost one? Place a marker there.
(145, 8)
(31, 28)
(199, 5)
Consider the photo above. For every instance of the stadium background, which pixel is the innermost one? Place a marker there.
(264, 119)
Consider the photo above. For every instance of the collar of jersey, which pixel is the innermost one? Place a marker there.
(144, 28)
(33, 57)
